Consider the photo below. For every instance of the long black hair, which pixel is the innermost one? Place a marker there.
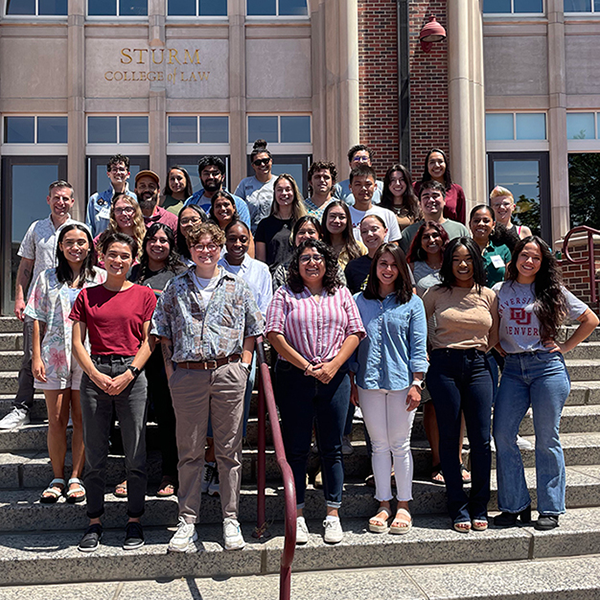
(448, 280)
(64, 274)
(331, 279)
(189, 190)
(409, 199)
(447, 176)
(171, 263)
(306, 219)
(216, 196)
(350, 244)
(416, 252)
(182, 246)
(402, 285)
(550, 305)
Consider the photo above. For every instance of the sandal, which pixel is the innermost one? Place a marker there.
(462, 526)
(479, 524)
(72, 497)
(466, 476)
(377, 524)
(166, 488)
(54, 491)
(121, 490)
(436, 474)
(401, 526)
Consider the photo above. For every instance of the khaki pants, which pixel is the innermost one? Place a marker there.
(195, 394)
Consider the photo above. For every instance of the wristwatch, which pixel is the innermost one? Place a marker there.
(420, 383)
(246, 366)
(134, 370)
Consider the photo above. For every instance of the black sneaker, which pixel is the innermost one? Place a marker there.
(134, 536)
(91, 538)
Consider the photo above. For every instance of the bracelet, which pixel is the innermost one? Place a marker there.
(307, 367)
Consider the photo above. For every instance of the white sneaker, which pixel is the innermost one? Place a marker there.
(492, 445)
(207, 475)
(301, 531)
(333, 530)
(523, 444)
(213, 486)
(232, 534)
(347, 445)
(184, 538)
(17, 417)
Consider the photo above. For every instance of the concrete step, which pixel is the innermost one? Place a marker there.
(10, 325)
(583, 370)
(11, 341)
(10, 360)
(587, 350)
(574, 578)
(431, 542)
(567, 331)
(584, 392)
(20, 510)
(575, 419)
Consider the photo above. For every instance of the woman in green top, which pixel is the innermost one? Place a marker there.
(177, 190)
(495, 258)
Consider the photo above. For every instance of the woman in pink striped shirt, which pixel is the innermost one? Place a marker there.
(314, 325)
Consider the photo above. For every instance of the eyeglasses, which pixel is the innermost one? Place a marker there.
(128, 210)
(361, 159)
(316, 258)
(190, 220)
(200, 247)
(261, 161)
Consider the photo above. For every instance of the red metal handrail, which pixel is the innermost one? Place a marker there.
(267, 398)
(590, 260)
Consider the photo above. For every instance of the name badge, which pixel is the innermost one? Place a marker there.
(497, 261)
(104, 212)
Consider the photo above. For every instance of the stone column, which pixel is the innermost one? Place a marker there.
(466, 99)
(157, 101)
(557, 121)
(237, 90)
(76, 167)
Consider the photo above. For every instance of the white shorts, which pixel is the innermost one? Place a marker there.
(60, 383)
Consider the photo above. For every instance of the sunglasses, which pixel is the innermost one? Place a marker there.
(261, 161)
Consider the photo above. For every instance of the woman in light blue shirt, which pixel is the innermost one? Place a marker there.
(389, 367)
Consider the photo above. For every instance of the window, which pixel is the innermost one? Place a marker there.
(277, 8)
(198, 130)
(515, 126)
(280, 129)
(581, 126)
(117, 130)
(582, 6)
(197, 8)
(117, 8)
(513, 6)
(35, 130)
(37, 7)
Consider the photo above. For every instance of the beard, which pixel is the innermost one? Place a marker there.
(212, 186)
(148, 204)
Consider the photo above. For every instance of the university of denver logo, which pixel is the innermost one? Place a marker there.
(520, 316)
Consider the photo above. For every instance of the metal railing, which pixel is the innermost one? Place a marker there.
(266, 400)
(589, 260)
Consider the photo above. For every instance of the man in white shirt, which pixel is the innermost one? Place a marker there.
(362, 184)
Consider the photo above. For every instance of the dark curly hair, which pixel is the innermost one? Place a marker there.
(409, 198)
(402, 285)
(321, 165)
(448, 279)
(550, 304)
(447, 176)
(172, 262)
(116, 237)
(416, 252)
(331, 279)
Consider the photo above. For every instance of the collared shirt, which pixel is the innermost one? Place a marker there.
(387, 216)
(257, 275)
(39, 245)
(314, 210)
(98, 209)
(201, 332)
(240, 205)
(341, 191)
(260, 202)
(395, 346)
(495, 259)
(249, 185)
(162, 216)
(315, 329)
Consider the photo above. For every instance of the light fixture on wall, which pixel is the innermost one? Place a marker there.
(432, 32)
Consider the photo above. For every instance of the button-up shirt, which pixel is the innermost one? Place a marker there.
(202, 332)
(163, 216)
(39, 245)
(98, 209)
(315, 329)
(395, 346)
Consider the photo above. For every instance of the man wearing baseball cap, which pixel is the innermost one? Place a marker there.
(147, 188)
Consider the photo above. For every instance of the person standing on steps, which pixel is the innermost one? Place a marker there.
(117, 316)
(38, 253)
(207, 320)
(147, 189)
(358, 155)
(177, 189)
(321, 179)
(98, 208)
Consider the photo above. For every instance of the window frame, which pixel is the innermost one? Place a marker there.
(193, 148)
(585, 145)
(95, 148)
(298, 148)
(513, 14)
(516, 144)
(592, 12)
(169, 17)
(115, 16)
(305, 17)
(34, 16)
(35, 147)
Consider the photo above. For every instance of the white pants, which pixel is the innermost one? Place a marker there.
(389, 425)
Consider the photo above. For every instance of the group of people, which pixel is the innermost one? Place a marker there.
(366, 290)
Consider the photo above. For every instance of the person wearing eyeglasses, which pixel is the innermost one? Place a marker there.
(99, 205)
(314, 324)
(257, 190)
(357, 155)
(207, 320)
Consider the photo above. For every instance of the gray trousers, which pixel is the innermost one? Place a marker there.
(24, 397)
(97, 409)
(196, 394)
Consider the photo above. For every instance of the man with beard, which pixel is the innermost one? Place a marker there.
(147, 188)
(212, 174)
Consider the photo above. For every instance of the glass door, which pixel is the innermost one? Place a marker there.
(25, 181)
(526, 175)
(98, 180)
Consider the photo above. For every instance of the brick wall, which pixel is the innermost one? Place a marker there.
(378, 80)
(577, 277)
(428, 86)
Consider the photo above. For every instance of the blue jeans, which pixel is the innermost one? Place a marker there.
(461, 380)
(301, 401)
(539, 379)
